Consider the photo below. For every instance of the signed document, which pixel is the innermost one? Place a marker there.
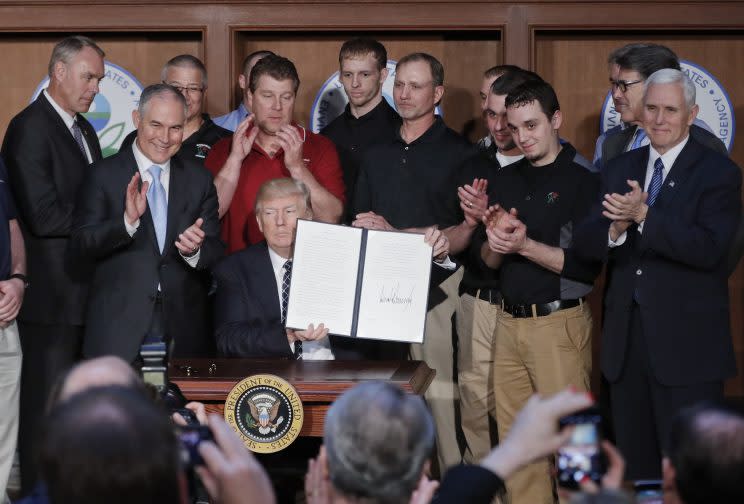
(360, 283)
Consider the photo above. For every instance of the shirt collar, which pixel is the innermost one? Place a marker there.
(277, 261)
(430, 136)
(144, 163)
(377, 110)
(669, 157)
(67, 118)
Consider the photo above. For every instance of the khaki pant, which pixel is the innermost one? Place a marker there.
(10, 395)
(543, 355)
(438, 353)
(476, 326)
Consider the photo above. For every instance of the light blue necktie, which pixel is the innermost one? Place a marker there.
(639, 138)
(158, 205)
(654, 188)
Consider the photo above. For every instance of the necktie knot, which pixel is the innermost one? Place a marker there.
(155, 171)
(288, 266)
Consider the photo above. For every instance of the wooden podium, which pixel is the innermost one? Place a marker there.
(318, 383)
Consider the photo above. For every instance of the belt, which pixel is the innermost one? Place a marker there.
(540, 310)
(493, 296)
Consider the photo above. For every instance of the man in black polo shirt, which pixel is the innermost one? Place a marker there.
(480, 298)
(408, 184)
(368, 118)
(544, 334)
(189, 75)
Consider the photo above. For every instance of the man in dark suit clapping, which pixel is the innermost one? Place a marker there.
(147, 222)
(669, 214)
(47, 149)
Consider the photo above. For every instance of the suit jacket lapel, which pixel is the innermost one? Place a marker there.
(263, 273)
(176, 200)
(68, 140)
(615, 144)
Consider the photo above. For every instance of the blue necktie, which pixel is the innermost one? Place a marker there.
(656, 179)
(639, 138)
(158, 205)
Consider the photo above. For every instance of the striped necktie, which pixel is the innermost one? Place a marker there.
(654, 188)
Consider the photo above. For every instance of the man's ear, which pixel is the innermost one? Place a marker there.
(258, 220)
(556, 120)
(60, 70)
(383, 75)
(242, 81)
(136, 118)
(438, 94)
(693, 114)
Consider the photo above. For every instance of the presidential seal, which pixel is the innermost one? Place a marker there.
(331, 99)
(266, 412)
(716, 112)
(111, 111)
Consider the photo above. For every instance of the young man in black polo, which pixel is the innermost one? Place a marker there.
(544, 341)
(368, 119)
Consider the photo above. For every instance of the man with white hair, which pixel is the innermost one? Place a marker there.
(669, 214)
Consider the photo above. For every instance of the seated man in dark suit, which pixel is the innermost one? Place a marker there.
(253, 284)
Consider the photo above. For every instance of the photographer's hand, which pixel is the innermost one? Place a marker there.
(197, 408)
(231, 474)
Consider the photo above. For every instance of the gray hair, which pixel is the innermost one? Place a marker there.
(279, 188)
(672, 76)
(159, 91)
(185, 61)
(377, 440)
(68, 47)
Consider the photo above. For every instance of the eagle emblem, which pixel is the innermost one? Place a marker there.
(264, 409)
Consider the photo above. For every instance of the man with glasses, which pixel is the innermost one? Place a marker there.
(629, 67)
(188, 75)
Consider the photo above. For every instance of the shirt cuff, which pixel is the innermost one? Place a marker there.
(640, 226)
(620, 240)
(446, 264)
(192, 260)
(131, 228)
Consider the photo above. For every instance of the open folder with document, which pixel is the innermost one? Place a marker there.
(360, 283)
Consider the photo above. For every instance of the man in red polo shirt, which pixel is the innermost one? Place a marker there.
(268, 144)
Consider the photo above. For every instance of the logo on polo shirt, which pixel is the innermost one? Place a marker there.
(111, 111)
(331, 99)
(266, 412)
(716, 110)
(552, 197)
(202, 150)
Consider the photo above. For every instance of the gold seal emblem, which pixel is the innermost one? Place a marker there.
(266, 412)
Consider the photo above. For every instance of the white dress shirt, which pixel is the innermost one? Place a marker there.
(143, 165)
(69, 121)
(668, 158)
(311, 350)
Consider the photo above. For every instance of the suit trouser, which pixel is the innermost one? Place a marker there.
(538, 355)
(48, 352)
(438, 352)
(476, 326)
(643, 408)
(10, 396)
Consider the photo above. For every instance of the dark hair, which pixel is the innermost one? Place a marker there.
(255, 54)
(509, 80)
(154, 90)
(620, 51)
(534, 91)
(110, 444)
(276, 67)
(437, 70)
(706, 449)
(648, 58)
(185, 61)
(69, 47)
(497, 70)
(358, 47)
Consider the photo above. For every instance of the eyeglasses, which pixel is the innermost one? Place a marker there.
(189, 89)
(623, 85)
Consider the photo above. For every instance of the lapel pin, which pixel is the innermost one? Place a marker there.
(671, 183)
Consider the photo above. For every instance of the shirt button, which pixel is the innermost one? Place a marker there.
(406, 148)
(403, 160)
(528, 198)
(353, 147)
(639, 272)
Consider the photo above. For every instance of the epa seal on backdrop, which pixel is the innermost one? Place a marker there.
(331, 99)
(111, 111)
(266, 412)
(716, 110)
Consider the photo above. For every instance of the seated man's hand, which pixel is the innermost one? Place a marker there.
(439, 242)
(231, 473)
(312, 333)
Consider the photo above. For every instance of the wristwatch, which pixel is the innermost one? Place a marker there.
(23, 278)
